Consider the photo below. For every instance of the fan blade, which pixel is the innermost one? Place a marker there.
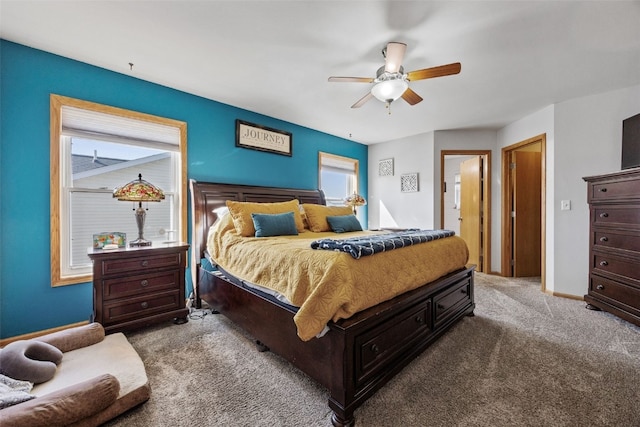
(362, 100)
(429, 73)
(411, 97)
(352, 79)
(394, 56)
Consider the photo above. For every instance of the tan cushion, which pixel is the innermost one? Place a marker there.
(114, 355)
(73, 338)
(64, 406)
(317, 215)
(241, 214)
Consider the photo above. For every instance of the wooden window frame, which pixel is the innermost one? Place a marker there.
(57, 102)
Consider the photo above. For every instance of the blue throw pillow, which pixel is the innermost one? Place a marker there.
(267, 225)
(344, 223)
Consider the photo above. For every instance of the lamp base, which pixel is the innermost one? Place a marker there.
(139, 242)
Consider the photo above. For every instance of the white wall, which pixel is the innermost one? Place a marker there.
(388, 206)
(583, 137)
(588, 135)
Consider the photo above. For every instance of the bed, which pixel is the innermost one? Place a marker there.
(355, 356)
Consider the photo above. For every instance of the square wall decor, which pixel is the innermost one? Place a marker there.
(409, 182)
(385, 167)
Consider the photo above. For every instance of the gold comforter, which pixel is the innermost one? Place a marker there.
(328, 285)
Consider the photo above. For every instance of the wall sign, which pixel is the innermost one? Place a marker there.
(262, 138)
(409, 183)
(385, 167)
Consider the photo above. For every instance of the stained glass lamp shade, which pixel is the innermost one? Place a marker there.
(355, 200)
(139, 191)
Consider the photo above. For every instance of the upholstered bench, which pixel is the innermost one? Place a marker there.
(98, 378)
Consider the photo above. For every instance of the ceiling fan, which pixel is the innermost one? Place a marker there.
(391, 82)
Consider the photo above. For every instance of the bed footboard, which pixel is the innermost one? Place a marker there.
(360, 354)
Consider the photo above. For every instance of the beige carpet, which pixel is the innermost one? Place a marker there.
(525, 359)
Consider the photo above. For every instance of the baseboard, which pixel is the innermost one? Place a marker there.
(561, 295)
(31, 335)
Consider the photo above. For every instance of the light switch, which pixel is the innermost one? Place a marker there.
(565, 205)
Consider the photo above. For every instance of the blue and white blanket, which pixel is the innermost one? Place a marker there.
(368, 245)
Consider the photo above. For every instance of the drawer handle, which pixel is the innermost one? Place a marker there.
(604, 215)
(144, 283)
(419, 320)
(463, 291)
(604, 263)
(144, 305)
(600, 287)
(604, 239)
(375, 348)
(440, 307)
(145, 263)
(603, 190)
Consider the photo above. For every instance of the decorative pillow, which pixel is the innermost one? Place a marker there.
(344, 223)
(30, 360)
(317, 215)
(304, 217)
(267, 225)
(241, 214)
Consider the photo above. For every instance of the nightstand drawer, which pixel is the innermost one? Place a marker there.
(144, 263)
(141, 284)
(138, 307)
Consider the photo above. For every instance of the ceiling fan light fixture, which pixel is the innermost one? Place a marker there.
(389, 87)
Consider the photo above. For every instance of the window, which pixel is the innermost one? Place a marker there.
(95, 148)
(338, 177)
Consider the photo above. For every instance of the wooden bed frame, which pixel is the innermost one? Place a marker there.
(358, 355)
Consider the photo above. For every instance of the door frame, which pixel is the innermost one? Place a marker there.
(486, 203)
(506, 199)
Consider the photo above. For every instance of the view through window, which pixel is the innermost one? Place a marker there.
(338, 177)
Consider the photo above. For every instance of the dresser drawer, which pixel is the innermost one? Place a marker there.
(377, 346)
(623, 189)
(616, 240)
(608, 264)
(616, 215)
(615, 293)
(138, 307)
(140, 284)
(144, 263)
(449, 302)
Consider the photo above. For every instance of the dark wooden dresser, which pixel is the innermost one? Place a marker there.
(134, 287)
(614, 248)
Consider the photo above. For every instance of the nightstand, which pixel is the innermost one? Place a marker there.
(135, 287)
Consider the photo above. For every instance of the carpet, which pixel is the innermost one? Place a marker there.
(524, 359)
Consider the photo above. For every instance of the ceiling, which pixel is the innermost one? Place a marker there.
(274, 57)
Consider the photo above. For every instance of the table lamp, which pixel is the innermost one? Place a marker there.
(139, 191)
(355, 200)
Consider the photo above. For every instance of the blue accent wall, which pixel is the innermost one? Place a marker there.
(28, 76)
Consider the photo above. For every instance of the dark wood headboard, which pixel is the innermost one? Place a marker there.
(207, 196)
